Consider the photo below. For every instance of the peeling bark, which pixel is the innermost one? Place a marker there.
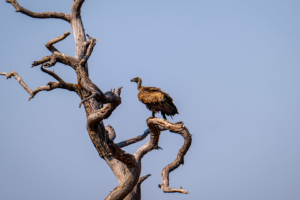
(99, 106)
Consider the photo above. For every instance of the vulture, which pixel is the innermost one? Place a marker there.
(155, 99)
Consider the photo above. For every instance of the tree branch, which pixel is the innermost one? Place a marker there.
(77, 4)
(18, 78)
(49, 44)
(29, 13)
(178, 128)
(50, 86)
(138, 138)
(136, 193)
(152, 143)
(112, 99)
(143, 178)
(68, 86)
(126, 158)
(50, 61)
(134, 140)
(91, 44)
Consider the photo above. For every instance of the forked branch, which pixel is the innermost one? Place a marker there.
(42, 15)
(68, 86)
(50, 86)
(57, 56)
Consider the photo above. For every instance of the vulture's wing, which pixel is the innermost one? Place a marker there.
(150, 97)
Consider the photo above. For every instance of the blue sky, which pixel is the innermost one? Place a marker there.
(232, 68)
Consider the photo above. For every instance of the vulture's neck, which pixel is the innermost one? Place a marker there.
(139, 84)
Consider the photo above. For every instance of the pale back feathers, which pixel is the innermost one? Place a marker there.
(157, 100)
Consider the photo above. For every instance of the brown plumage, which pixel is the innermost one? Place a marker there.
(155, 99)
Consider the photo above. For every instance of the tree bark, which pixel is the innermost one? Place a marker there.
(99, 106)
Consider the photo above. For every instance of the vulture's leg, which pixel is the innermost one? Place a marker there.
(153, 114)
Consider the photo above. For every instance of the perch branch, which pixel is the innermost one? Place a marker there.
(152, 143)
(50, 44)
(178, 128)
(29, 13)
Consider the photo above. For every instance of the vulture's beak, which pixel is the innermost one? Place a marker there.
(131, 80)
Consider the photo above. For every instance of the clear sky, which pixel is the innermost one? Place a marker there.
(232, 68)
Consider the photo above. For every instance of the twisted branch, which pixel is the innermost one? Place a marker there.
(152, 143)
(180, 129)
(29, 13)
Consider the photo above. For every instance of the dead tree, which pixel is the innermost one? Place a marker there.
(99, 106)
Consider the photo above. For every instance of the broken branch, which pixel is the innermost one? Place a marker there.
(18, 78)
(49, 44)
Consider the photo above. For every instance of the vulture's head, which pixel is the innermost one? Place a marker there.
(136, 79)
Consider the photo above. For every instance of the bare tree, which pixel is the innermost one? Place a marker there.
(99, 106)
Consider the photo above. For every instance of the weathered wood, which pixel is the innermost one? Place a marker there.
(41, 15)
(125, 166)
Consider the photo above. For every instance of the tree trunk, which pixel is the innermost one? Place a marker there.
(99, 106)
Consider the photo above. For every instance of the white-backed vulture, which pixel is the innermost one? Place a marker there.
(155, 99)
